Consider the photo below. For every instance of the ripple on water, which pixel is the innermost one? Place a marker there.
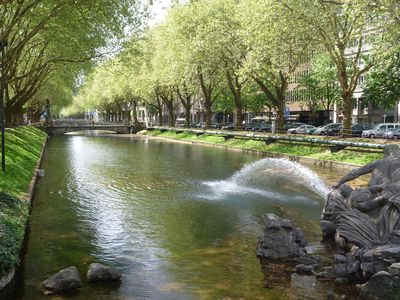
(141, 207)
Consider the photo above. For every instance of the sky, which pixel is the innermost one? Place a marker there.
(159, 11)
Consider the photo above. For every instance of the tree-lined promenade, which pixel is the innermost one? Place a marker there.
(239, 56)
(51, 43)
(233, 56)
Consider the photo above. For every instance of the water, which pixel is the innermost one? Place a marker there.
(271, 178)
(180, 221)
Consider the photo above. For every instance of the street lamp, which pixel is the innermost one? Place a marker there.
(3, 83)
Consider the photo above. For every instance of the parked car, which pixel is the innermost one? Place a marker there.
(292, 125)
(329, 129)
(357, 129)
(379, 130)
(263, 127)
(249, 127)
(303, 129)
(395, 134)
(388, 132)
(230, 126)
(216, 126)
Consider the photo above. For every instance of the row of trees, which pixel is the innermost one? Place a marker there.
(241, 55)
(52, 43)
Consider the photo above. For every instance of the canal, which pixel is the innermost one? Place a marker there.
(180, 221)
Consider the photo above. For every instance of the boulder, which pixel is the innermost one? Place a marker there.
(339, 259)
(371, 268)
(304, 270)
(281, 239)
(67, 279)
(379, 286)
(394, 269)
(308, 260)
(100, 272)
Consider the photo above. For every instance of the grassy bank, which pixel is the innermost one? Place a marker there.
(289, 148)
(23, 149)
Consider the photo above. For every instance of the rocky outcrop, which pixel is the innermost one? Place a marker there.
(99, 272)
(378, 287)
(281, 239)
(67, 279)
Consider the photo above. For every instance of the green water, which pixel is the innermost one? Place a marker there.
(170, 216)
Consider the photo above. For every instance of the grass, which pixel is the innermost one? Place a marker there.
(23, 149)
(289, 148)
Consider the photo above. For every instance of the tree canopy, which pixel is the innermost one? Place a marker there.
(51, 43)
(241, 55)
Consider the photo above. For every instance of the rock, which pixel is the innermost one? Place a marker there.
(339, 270)
(368, 256)
(396, 282)
(352, 264)
(339, 259)
(304, 270)
(387, 252)
(346, 268)
(379, 286)
(341, 281)
(298, 235)
(67, 279)
(99, 272)
(370, 268)
(308, 260)
(281, 239)
(330, 295)
(394, 269)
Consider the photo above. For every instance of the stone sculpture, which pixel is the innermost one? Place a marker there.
(364, 223)
(367, 217)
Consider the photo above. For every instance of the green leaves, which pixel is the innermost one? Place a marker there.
(383, 84)
(57, 39)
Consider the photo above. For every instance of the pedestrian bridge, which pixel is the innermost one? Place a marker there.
(60, 129)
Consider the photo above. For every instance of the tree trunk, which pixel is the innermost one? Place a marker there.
(280, 111)
(208, 116)
(160, 116)
(187, 115)
(135, 116)
(208, 102)
(239, 112)
(347, 113)
(171, 119)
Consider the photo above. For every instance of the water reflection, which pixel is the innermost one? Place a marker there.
(164, 213)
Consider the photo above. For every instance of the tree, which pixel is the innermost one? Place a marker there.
(46, 36)
(320, 87)
(383, 83)
(196, 36)
(278, 45)
(347, 31)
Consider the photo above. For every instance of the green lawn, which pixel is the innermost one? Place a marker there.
(23, 149)
(290, 148)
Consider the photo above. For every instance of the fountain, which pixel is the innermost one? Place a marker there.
(364, 224)
(255, 178)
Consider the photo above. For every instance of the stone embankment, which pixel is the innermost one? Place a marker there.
(375, 273)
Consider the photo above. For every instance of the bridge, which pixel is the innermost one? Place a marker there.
(59, 129)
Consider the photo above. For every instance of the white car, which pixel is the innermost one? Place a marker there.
(303, 129)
